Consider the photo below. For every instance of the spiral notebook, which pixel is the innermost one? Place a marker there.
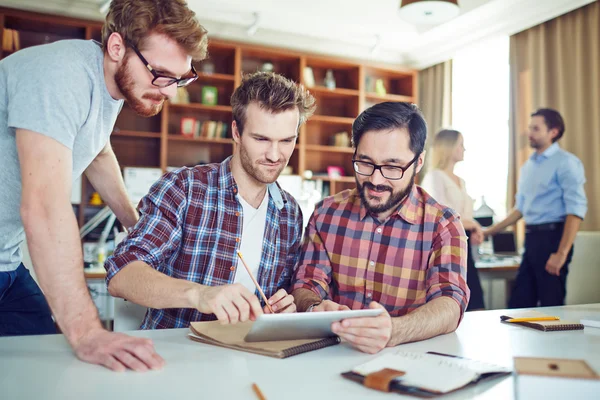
(232, 337)
(546, 326)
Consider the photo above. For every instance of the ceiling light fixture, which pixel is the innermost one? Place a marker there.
(428, 12)
(376, 46)
(104, 6)
(254, 27)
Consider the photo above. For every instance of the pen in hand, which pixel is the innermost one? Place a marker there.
(239, 253)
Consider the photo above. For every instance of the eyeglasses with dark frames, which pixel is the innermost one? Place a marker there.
(387, 171)
(163, 81)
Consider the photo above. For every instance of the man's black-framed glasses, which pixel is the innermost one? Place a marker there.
(387, 171)
(162, 81)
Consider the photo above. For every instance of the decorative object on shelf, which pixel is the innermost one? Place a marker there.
(267, 67)
(340, 139)
(380, 88)
(329, 80)
(428, 12)
(182, 97)
(209, 95)
(309, 77)
(333, 171)
(96, 200)
(208, 67)
(369, 84)
(11, 40)
(188, 126)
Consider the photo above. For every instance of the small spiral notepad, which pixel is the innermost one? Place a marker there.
(546, 326)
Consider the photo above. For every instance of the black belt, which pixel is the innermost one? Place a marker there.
(552, 226)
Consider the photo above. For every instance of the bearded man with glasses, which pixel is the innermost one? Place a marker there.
(58, 106)
(386, 244)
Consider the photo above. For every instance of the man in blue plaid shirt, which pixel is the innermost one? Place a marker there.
(180, 259)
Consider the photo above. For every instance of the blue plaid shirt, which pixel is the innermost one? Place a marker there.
(190, 228)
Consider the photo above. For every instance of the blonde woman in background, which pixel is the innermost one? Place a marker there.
(449, 190)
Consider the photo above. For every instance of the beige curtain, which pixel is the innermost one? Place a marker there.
(435, 100)
(557, 64)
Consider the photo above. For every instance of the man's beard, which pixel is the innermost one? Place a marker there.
(126, 86)
(394, 200)
(254, 170)
(533, 144)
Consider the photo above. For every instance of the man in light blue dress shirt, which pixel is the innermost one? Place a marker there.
(551, 199)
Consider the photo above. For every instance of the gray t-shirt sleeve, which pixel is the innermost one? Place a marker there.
(51, 98)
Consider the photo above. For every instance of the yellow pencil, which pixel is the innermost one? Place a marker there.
(533, 319)
(239, 253)
(258, 392)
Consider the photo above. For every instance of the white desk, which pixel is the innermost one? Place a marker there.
(43, 367)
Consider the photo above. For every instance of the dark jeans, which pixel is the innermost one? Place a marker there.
(473, 282)
(533, 284)
(23, 308)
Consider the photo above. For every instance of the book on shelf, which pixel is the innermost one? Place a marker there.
(11, 40)
(211, 129)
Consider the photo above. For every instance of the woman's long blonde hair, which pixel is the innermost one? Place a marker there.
(443, 146)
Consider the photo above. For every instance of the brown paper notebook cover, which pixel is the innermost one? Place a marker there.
(555, 367)
(232, 337)
(546, 326)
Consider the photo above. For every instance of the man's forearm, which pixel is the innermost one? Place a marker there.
(436, 317)
(304, 298)
(510, 219)
(55, 248)
(572, 224)
(105, 175)
(142, 284)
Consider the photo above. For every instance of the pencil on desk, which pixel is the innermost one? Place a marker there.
(258, 392)
(239, 253)
(533, 319)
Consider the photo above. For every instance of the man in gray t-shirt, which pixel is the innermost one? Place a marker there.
(58, 106)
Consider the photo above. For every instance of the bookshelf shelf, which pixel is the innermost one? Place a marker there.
(204, 77)
(342, 179)
(180, 138)
(139, 134)
(201, 107)
(156, 141)
(325, 92)
(329, 149)
(332, 119)
(374, 97)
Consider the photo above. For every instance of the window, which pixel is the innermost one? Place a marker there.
(480, 111)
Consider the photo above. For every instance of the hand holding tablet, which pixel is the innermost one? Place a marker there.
(271, 327)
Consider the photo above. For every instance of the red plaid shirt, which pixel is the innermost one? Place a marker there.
(418, 254)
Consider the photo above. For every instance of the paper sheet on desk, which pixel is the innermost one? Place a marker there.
(430, 371)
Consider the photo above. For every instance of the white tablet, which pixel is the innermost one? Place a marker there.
(307, 325)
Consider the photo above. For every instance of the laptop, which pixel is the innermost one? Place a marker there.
(504, 244)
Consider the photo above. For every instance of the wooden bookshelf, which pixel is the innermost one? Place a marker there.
(157, 142)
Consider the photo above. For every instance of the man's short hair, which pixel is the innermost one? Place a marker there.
(392, 115)
(553, 120)
(272, 92)
(134, 20)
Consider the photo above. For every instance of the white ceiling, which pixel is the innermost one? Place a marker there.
(363, 29)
